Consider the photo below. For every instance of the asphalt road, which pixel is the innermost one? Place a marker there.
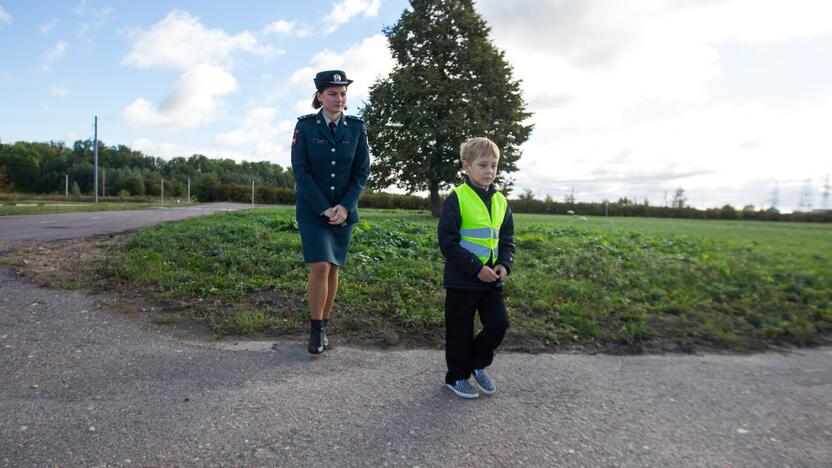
(85, 384)
(18, 231)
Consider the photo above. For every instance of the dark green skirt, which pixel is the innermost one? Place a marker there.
(325, 243)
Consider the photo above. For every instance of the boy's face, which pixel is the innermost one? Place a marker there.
(482, 170)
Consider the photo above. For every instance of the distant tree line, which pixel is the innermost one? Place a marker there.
(34, 167)
(625, 207)
(39, 168)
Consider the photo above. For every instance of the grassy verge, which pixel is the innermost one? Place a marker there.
(30, 207)
(618, 284)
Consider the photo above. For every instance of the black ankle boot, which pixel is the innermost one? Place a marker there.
(316, 337)
(325, 340)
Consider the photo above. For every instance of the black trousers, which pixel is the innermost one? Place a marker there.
(464, 352)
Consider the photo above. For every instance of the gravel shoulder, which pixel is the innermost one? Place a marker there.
(91, 384)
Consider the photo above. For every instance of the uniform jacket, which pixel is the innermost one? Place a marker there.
(462, 266)
(328, 170)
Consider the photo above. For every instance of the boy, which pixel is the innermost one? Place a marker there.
(476, 236)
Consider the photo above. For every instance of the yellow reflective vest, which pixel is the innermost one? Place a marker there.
(480, 230)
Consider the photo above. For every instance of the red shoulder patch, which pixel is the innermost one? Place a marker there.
(295, 138)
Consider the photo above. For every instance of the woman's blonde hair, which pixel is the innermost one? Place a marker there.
(478, 146)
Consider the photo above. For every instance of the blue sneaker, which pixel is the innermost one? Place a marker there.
(484, 381)
(464, 389)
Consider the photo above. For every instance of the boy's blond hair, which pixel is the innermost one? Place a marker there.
(475, 147)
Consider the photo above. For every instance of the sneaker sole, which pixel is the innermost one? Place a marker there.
(463, 395)
(487, 392)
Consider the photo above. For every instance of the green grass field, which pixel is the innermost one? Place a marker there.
(612, 284)
(30, 207)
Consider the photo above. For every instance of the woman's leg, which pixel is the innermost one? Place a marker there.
(332, 289)
(318, 289)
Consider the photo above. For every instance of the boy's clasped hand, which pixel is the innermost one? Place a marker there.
(489, 275)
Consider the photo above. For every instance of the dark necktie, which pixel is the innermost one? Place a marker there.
(332, 127)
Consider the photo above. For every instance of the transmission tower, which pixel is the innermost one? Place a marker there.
(804, 203)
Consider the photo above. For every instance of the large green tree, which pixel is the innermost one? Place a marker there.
(449, 83)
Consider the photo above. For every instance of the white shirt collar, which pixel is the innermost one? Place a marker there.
(327, 121)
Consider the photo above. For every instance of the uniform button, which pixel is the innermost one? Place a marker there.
(332, 188)
(332, 175)
(333, 163)
(333, 150)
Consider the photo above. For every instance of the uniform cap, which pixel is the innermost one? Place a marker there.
(331, 78)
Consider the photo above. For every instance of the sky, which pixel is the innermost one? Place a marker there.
(730, 100)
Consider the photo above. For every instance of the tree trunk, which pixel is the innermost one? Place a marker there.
(434, 198)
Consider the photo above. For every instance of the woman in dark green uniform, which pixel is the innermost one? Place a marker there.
(331, 164)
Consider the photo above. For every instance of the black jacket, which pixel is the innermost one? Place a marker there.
(462, 266)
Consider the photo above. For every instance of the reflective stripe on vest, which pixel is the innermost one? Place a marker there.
(480, 231)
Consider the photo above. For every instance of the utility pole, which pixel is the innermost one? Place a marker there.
(95, 176)
(66, 185)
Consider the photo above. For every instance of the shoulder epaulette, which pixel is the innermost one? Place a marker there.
(307, 116)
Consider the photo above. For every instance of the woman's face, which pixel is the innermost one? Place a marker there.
(333, 98)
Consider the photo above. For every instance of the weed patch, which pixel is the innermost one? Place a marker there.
(600, 284)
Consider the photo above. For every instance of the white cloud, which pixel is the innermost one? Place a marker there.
(169, 150)
(5, 17)
(624, 105)
(753, 20)
(261, 151)
(287, 28)
(259, 131)
(193, 101)
(58, 90)
(717, 154)
(80, 8)
(586, 62)
(53, 54)
(343, 12)
(363, 63)
(281, 27)
(303, 106)
(180, 41)
(256, 125)
(272, 152)
(98, 18)
(48, 27)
